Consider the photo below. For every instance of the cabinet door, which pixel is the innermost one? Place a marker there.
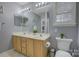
(29, 47)
(24, 46)
(24, 41)
(39, 50)
(14, 41)
(45, 50)
(18, 44)
(24, 50)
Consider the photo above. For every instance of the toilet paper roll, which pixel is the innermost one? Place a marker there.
(47, 44)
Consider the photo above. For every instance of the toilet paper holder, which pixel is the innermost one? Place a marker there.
(47, 44)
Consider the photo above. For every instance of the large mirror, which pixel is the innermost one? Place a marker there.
(26, 21)
(31, 17)
(20, 20)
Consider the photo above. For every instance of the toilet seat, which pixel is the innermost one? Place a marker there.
(61, 53)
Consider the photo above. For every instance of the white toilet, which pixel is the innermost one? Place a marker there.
(63, 46)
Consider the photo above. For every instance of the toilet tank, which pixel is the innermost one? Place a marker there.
(63, 44)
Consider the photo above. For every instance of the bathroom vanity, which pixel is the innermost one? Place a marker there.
(30, 44)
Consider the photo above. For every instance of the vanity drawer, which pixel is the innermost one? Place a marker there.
(14, 41)
(24, 51)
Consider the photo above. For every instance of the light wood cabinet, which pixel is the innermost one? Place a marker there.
(14, 41)
(17, 43)
(24, 51)
(39, 48)
(24, 46)
(29, 47)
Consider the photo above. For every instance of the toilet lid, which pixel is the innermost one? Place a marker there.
(61, 53)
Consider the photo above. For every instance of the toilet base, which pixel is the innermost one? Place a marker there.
(61, 53)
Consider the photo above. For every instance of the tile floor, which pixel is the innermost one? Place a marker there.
(11, 53)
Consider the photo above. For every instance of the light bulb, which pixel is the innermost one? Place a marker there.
(39, 4)
(36, 5)
(27, 8)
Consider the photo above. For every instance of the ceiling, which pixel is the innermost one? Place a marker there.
(23, 3)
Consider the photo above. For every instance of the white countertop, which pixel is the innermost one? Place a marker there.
(39, 36)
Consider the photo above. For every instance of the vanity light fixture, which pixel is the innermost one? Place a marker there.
(36, 5)
(41, 4)
(25, 9)
(28, 9)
